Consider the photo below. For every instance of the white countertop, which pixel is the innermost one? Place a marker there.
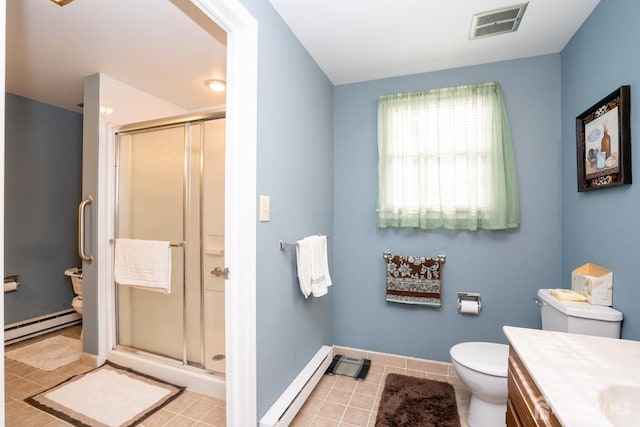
(571, 371)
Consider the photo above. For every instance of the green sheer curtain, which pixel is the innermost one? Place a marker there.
(445, 160)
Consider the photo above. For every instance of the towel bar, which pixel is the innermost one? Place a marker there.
(283, 244)
(441, 258)
(172, 244)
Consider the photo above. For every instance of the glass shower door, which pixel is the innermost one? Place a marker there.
(152, 200)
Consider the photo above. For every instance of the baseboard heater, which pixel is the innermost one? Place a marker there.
(289, 403)
(30, 328)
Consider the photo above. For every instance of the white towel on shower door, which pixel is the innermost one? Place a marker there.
(145, 264)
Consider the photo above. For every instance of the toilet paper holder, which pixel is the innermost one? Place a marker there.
(469, 296)
(11, 283)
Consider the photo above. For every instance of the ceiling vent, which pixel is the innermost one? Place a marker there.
(497, 21)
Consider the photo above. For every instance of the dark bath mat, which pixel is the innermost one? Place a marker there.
(349, 367)
(409, 402)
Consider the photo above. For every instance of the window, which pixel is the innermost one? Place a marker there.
(445, 160)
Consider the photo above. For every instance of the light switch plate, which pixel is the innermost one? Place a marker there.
(265, 208)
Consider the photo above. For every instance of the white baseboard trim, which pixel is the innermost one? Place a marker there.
(30, 328)
(289, 403)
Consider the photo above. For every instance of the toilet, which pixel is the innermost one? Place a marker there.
(482, 366)
(75, 274)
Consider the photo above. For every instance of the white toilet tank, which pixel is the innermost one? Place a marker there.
(578, 317)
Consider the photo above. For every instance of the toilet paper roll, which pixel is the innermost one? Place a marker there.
(469, 307)
(10, 286)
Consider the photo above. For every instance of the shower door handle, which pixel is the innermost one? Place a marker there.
(81, 212)
(224, 272)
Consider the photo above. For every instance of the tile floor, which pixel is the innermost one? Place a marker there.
(188, 409)
(344, 402)
(336, 401)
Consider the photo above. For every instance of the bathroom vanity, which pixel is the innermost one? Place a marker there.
(561, 379)
(525, 406)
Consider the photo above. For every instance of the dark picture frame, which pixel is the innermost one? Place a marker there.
(603, 142)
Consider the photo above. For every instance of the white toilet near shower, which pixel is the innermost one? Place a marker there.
(75, 275)
(482, 366)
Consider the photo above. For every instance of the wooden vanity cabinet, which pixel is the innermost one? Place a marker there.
(526, 407)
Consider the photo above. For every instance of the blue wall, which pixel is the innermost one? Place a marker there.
(602, 226)
(295, 101)
(506, 267)
(43, 175)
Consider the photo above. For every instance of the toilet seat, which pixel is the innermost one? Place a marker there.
(485, 357)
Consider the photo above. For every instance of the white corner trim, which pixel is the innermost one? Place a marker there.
(240, 206)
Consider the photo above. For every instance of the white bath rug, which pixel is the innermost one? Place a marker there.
(48, 354)
(106, 396)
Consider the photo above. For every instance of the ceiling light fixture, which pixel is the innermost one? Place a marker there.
(61, 2)
(497, 21)
(216, 85)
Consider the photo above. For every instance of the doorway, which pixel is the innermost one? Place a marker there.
(241, 137)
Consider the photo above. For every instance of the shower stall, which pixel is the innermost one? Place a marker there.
(169, 186)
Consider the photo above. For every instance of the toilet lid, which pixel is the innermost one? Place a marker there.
(486, 357)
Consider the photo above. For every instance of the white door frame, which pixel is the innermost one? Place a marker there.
(240, 208)
(240, 205)
(3, 54)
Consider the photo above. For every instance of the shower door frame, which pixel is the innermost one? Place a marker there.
(183, 122)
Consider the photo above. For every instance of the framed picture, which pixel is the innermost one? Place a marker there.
(603, 138)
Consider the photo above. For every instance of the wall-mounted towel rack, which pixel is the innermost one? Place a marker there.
(284, 244)
(441, 258)
(172, 244)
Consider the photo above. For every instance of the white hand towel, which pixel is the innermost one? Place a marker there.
(143, 263)
(320, 278)
(303, 261)
(313, 268)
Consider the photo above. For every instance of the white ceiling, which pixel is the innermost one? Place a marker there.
(157, 47)
(152, 45)
(359, 40)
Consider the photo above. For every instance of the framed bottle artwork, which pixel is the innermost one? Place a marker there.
(603, 138)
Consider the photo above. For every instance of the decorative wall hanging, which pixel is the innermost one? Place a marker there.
(603, 138)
